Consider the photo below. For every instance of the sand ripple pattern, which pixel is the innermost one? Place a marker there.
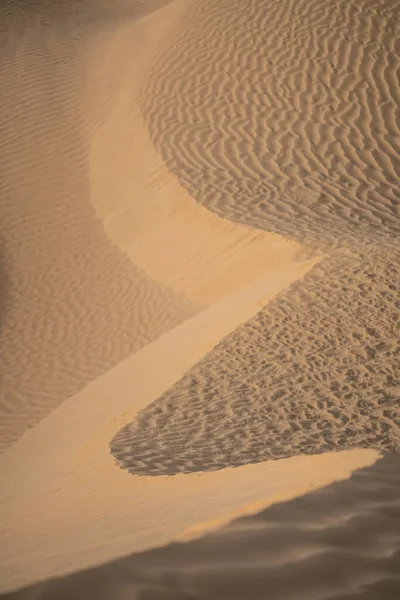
(284, 115)
(316, 370)
(72, 15)
(338, 543)
(72, 305)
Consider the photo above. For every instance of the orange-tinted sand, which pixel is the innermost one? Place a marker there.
(200, 258)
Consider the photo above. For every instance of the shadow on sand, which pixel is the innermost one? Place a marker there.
(5, 291)
(339, 542)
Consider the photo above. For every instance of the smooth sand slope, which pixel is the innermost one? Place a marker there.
(78, 200)
(339, 542)
(281, 118)
(72, 304)
(76, 160)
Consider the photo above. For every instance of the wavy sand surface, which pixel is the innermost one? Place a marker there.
(339, 542)
(151, 217)
(298, 135)
(76, 162)
(284, 115)
(276, 116)
(78, 201)
(73, 304)
(316, 370)
(87, 499)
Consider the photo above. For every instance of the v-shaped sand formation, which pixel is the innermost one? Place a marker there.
(200, 258)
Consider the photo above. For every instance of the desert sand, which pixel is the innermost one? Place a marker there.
(200, 321)
(338, 542)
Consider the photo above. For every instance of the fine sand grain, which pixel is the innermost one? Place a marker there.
(199, 270)
(82, 191)
(73, 305)
(299, 135)
(340, 542)
(316, 370)
(284, 115)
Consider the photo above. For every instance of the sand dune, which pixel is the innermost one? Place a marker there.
(282, 115)
(297, 136)
(73, 169)
(104, 259)
(316, 370)
(149, 216)
(79, 480)
(73, 304)
(171, 174)
(342, 541)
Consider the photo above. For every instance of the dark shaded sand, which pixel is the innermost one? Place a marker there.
(278, 115)
(340, 542)
(316, 370)
(284, 115)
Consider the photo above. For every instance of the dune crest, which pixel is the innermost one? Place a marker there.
(277, 386)
(73, 305)
(338, 542)
(283, 115)
(145, 211)
(297, 136)
(153, 224)
(78, 305)
(172, 173)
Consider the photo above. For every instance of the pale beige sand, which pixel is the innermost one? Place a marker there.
(279, 116)
(74, 305)
(143, 208)
(316, 370)
(94, 510)
(339, 542)
(59, 246)
(176, 241)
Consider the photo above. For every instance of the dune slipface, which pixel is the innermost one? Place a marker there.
(72, 305)
(316, 370)
(297, 135)
(283, 115)
(279, 119)
(341, 542)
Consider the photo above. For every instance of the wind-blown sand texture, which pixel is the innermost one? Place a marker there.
(284, 115)
(339, 542)
(171, 174)
(279, 386)
(298, 136)
(73, 304)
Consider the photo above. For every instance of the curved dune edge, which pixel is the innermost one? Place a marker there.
(144, 209)
(74, 296)
(315, 370)
(338, 542)
(153, 224)
(62, 488)
(72, 303)
(45, 472)
(96, 512)
(284, 115)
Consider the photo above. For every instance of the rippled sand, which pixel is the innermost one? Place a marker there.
(200, 257)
